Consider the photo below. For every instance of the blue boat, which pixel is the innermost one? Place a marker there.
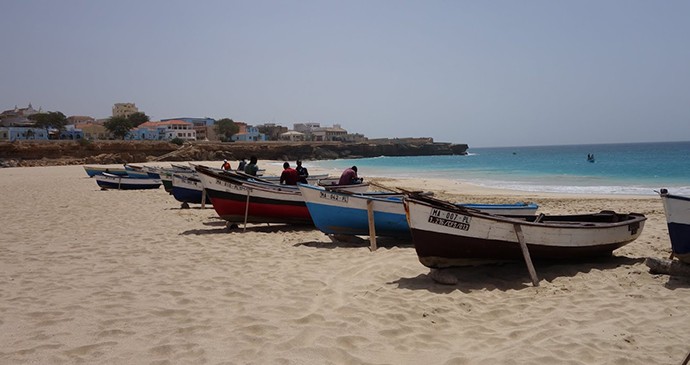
(188, 189)
(347, 214)
(118, 182)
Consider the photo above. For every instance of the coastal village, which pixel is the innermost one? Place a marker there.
(21, 124)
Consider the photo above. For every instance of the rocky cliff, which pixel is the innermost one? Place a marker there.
(40, 153)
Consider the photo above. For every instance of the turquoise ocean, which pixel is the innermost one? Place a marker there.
(626, 168)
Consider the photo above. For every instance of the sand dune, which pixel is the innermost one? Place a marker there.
(127, 277)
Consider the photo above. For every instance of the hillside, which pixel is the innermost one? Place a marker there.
(44, 153)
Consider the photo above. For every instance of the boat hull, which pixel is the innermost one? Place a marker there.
(446, 236)
(344, 213)
(677, 211)
(236, 200)
(347, 214)
(126, 183)
(188, 190)
(99, 170)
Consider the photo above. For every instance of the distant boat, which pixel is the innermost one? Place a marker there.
(120, 182)
(590, 158)
(120, 171)
(98, 170)
(677, 209)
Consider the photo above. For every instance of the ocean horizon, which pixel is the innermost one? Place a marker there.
(621, 168)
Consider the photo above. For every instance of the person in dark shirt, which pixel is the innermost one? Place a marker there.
(289, 175)
(252, 168)
(302, 172)
(242, 164)
(349, 176)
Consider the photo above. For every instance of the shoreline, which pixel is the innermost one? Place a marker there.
(92, 276)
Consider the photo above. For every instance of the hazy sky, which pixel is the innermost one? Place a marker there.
(485, 73)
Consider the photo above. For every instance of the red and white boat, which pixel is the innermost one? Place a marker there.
(238, 200)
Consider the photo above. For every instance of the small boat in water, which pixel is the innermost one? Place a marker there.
(677, 210)
(123, 182)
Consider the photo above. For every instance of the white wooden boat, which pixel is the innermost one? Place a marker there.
(445, 234)
(677, 210)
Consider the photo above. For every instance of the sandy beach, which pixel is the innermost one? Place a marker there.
(128, 277)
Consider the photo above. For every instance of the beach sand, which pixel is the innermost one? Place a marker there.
(127, 277)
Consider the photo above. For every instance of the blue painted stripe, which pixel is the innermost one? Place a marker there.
(680, 237)
(188, 195)
(340, 220)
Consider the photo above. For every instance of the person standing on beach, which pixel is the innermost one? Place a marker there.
(302, 172)
(349, 176)
(242, 164)
(252, 168)
(226, 165)
(289, 175)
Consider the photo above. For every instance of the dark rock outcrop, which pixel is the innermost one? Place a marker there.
(41, 153)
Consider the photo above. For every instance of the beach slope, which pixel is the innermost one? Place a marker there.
(127, 277)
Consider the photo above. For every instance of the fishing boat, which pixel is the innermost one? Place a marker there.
(312, 179)
(120, 182)
(677, 210)
(98, 170)
(343, 213)
(166, 174)
(147, 171)
(237, 199)
(445, 234)
(326, 183)
(188, 189)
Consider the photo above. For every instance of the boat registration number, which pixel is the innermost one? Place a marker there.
(450, 219)
(331, 196)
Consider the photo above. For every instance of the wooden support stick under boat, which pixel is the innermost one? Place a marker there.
(203, 198)
(669, 267)
(372, 228)
(525, 253)
(246, 210)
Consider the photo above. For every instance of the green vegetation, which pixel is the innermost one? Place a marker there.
(178, 141)
(226, 128)
(47, 120)
(120, 126)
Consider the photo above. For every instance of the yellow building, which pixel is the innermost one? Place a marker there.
(124, 109)
(94, 131)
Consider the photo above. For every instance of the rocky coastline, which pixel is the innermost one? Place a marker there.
(49, 153)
